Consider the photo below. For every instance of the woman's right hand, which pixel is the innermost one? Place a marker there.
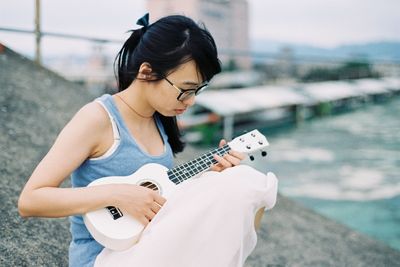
(140, 202)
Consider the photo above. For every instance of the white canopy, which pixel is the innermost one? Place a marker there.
(238, 101)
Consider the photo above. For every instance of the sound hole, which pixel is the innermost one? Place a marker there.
(150, 185)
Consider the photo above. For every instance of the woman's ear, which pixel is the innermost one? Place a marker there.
(145, 71)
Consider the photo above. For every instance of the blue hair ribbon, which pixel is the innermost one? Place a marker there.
(143, 21)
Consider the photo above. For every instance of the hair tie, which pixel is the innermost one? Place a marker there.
(143, 21)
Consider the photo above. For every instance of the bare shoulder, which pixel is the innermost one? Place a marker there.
(87, 128)
(92, 117)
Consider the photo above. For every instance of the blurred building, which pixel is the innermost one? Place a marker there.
(227, 20)
(94, 71)
(389, 69)
(285, 63)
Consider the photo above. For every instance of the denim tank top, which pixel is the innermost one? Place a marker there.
(122, 159)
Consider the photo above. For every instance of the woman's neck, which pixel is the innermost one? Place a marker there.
(135, 103)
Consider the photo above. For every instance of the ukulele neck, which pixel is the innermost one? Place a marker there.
(189, 169)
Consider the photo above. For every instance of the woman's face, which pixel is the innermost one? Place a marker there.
(163, 97)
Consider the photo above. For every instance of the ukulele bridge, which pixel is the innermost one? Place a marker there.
(115, 212)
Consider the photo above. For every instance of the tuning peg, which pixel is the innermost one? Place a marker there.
(264, 153)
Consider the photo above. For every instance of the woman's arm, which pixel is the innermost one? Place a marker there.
(81, 138)
(258, 217)
(76, 142)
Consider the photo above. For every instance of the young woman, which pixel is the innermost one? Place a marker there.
(160, 69)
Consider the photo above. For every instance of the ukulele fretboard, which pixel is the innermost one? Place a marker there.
(187, 170)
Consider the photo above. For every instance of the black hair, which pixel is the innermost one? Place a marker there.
(166, 44)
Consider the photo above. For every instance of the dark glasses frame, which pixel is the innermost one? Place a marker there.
(188, 93)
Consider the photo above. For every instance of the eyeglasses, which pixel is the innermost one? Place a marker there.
(188, 93)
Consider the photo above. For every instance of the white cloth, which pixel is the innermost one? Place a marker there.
(206, 222)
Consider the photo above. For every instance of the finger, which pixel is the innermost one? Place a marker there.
(237, 154)
(216, 168)
(150, 214)
(232, 160)
(155, 207)
(159, 199)
(222, 143)
(222, 161)
(143, 220)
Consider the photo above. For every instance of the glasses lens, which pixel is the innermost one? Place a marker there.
(201, 88)
(186, 95)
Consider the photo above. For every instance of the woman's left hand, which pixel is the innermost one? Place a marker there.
(230, 159)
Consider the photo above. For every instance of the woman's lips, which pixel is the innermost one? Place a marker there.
(180, 111)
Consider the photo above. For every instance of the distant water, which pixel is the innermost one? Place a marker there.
(346, 167)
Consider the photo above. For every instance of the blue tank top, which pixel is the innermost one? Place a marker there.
(123, 158)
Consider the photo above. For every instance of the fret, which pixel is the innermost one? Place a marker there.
(207, 160)
(175, 176)
(189, 169)
(184, 167)
(204, 158)
(180, 176)
(211, 159)
(171, 175)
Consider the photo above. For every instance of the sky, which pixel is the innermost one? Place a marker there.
(321, 23)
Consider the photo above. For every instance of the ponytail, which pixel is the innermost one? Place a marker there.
(126, 71)
(124, 74)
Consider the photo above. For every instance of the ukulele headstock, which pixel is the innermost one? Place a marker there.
(249, 142)
(253, 144)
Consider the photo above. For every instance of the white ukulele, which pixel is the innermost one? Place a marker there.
(118, 231)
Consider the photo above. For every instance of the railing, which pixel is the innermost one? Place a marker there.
(222, 51)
